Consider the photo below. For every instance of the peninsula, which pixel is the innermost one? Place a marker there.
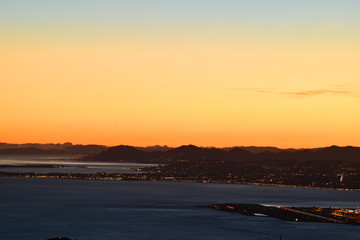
(296, 214)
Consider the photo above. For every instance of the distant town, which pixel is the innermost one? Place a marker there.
(331, 167)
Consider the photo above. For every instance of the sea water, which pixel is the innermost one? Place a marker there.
(69, 164)
(42, 208)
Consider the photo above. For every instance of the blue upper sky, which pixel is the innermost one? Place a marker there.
(248, 12)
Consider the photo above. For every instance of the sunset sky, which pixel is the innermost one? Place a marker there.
(282, 73)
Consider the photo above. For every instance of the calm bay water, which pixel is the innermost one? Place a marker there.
(70, 165)
(42, 208)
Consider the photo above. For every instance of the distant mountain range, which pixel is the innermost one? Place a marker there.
(335, 167)
(28, 148)
(50, 149)
(163, 154)
(194, 153)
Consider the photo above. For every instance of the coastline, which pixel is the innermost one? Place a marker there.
(295, 214)
(134, 177)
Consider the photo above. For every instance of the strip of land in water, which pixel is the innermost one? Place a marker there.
(297, 214)
(146, 176)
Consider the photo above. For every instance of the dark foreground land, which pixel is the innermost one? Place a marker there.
(332, 167)
(297, 214)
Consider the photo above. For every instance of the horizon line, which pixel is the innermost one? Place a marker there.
(200, 146)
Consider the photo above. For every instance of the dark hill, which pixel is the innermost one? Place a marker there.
(52, 149)
(194, 153)
(351, 154)
(238, 153)
(29, 150)
(126, 153)
(186, 152)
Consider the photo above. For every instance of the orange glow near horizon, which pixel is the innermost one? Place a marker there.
(283, 88)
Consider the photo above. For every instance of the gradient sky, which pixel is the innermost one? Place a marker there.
(206, 72)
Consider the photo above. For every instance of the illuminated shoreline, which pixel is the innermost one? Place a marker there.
(144, 177)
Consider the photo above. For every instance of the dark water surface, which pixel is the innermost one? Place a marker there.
(41, 208)
(70, 164)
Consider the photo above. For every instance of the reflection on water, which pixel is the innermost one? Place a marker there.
(65, 164)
